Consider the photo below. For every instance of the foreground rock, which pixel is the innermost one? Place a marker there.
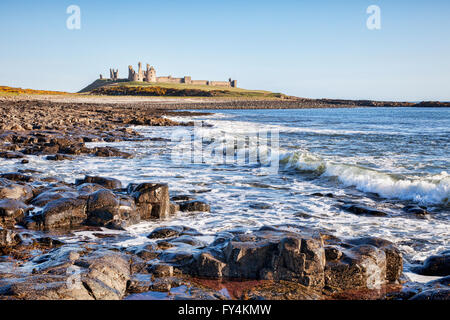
(437, 265)
(303, 257)
(72, 274)
(152, 200)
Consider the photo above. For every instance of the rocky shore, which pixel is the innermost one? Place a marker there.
(38, 216)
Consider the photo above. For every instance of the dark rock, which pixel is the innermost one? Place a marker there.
(9, 238)
(16, 176)
(12, 212)
(413, 209)
(11, 155)
(106, 209)
(161, 270)
(53, 194)
(433, 294)
(62, 214)
(174, 208)
(394, 258)
(108, 183)
(182, 198)
(152, 200)
(16, 191)
(194, 206)
(110, 152)
(59, 157)
(265, 254)
(260, 206)
(165, 232)
(437, 265)
(88, 188)
(363, 210)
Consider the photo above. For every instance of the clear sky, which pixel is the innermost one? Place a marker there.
(305, 48)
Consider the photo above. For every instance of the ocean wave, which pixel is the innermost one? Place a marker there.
(432, 189)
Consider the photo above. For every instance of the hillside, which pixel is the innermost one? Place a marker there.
(127, 88)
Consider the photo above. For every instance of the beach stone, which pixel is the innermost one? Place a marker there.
(363, 266)
(394, 258)
(152, 200)
(194, 206)
(88, 188)
(437, 265)
(16, 191)
(110, 152)
(161, 270)
(433, 294)
(363, 210)
(12, 212)
(53, 194)
(106, 209)
(59, 157)
(108, 183)
(101, 275)
(11, 155)
(9, 238)
(16, 176)
(62, 213)
(165, 232)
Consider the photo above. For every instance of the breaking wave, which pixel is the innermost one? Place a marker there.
(433, 189)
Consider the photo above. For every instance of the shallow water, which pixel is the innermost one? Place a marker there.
(381, 157)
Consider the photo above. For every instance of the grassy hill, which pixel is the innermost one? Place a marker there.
(5, 90)
(129, 88)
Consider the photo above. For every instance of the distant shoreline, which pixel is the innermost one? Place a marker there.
(179, 103)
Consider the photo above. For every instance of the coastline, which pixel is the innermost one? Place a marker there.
(60, 129)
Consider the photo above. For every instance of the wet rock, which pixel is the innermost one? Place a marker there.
(437, 265)
(363, 210)
(16, 191)
(8, 238)
(11, 155)
(174, 208)
(59, 157)
(16, 176)
(260, 205)
(161, 270)
(106, 209)
(152, 200)
(394, 258)
(181, 198)
(53, 194)
(110, 152)
(362, 266)
(433, 294)
(88, 188)
(108, 183)
(413, 209)
(165, 232)
(265, 254)
(101, 275)
(194, 206)
(139, 283)
(62, 213)
(12, 212)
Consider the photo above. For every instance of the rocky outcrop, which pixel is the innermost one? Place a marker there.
(73, 274)
(299, 256)
(152, 200)
(12, 212)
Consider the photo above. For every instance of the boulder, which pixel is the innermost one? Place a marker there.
(108, 183)
(12, 212)
(8, 238)
(16, 191)
(152, 200)
(268, 254)
(110, 152)
(16, 176)
(433, 294)
(62, 213)
(106, 209)
(166, 232)
(194, 206)
(88, 188)
(53, 194)
(359, 209)
(437, 265)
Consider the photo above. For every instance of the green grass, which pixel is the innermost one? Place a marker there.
(228, 91)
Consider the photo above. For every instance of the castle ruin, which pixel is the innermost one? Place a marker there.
(149, 75)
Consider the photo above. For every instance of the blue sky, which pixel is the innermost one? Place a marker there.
(305, 48)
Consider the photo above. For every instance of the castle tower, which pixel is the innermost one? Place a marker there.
(150, 74)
